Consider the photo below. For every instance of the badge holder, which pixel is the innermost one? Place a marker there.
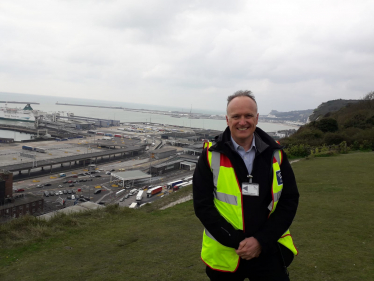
(249, 188)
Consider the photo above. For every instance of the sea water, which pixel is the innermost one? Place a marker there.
(48, 104)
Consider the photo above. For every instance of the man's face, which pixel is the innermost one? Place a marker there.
(242, 118)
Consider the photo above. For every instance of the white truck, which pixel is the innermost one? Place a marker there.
(139, 196)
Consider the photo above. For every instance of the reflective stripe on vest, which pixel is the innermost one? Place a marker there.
(277, 184)
(228, 201)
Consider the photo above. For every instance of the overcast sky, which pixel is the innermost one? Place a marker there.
(291, 54)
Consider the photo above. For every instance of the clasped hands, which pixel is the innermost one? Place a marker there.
(249, 248)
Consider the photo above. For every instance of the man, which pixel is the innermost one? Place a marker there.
(246, 197)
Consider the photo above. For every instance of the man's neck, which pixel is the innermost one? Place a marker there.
(246, 144)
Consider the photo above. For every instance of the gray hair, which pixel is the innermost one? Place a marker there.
(241, 93)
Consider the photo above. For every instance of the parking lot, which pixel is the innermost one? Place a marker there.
(80, 186)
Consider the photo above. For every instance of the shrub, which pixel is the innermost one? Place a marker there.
(356, 145)
(343, 148)
(333, 138)
(366, 145)
(300, 150)
(357, 121)
(327, 125)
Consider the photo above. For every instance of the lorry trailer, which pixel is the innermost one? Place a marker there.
(26, 147)
(38, 149)
(154, 190)
(179, 186)
(186, 179)
(139, 196)
(171, 184)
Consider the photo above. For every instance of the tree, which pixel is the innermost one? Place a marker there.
(327, 125)
(369, 96)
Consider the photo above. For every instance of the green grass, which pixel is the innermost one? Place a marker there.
(333, 232)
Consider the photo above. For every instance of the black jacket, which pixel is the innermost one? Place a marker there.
(256, 222)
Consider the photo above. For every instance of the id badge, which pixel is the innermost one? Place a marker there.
(251, 189)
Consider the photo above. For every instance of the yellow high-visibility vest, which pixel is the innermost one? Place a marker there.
(228, 201)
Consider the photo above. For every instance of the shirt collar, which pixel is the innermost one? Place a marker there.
(236, 146)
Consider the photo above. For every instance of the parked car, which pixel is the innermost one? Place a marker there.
(39, 185)
(122, 199)
(97, 191)
(19, 190)
(46, 193)
(65, 191)
(65, 181)
(82, 200)
(60, 192)
(75, 176)
(98, 176)
(73, 191)
(127, 196)
(107, 173)
(112, 170)
(69, 191)
(73, 197)
(70, 181)
(57, 193)
(60, 186)
(47, 184)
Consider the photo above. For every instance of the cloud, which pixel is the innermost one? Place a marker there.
(291, 54)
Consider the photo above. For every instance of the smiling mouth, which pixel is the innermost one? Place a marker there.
(242, 129)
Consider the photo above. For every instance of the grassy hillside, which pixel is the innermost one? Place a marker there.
(333, 231)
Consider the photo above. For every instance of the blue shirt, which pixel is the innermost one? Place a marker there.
(247, 156)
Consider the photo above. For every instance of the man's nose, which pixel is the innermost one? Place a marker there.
(242, 120)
